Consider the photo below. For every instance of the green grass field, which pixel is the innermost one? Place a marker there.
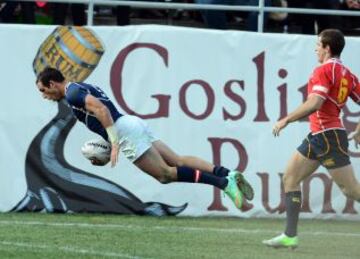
(32, 235)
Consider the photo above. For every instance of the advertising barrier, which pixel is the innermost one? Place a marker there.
(206, 93)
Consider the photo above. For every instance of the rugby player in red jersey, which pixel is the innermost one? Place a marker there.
(329, 87)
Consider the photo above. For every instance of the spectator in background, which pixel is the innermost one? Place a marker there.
(218, 19)
(8, 12)
(122, 15)
(124, 12)
(77, 13)
(308, 22)
(351, 22)
(352, 4)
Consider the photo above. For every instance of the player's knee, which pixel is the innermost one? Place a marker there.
(290, 182)
(166, 175)
(180, 161)
(352, 192)
(286, 180)
(163, 179)
(347, 193)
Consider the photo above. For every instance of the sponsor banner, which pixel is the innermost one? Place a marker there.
(206, 93)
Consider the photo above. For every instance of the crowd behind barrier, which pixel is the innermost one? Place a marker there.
(43, 12)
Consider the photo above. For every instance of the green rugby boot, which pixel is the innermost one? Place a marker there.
(233, 191)
(244, 186)
(282, 241)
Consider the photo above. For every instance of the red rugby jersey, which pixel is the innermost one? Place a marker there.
(333, 82)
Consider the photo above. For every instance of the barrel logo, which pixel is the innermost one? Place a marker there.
(74, 50)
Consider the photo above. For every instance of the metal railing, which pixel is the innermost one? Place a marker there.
(261, 9)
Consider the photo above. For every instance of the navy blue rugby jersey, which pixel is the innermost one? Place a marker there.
(75, 94)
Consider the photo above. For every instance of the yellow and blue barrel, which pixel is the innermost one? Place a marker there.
(75, 51)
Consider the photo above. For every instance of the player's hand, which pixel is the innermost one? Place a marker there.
(355, 135)
(114, 156)
(279, 126)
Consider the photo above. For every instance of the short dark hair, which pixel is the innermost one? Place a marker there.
(334, 39)
(49, 73)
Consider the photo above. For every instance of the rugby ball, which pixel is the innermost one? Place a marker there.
(97, 151)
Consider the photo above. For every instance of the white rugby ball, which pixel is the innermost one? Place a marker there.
(97, 150)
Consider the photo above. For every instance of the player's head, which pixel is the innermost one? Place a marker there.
(331, 43)
(48, 82)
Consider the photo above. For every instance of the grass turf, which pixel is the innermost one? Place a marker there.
(33, 235)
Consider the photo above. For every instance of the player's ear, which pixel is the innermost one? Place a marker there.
(328, 50)
(51, 83)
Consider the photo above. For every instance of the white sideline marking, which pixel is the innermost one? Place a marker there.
(68, 249)
(171, 228)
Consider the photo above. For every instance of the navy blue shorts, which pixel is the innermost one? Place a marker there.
(330, 148)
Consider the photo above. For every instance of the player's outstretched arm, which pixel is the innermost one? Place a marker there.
(102, 113)
(313, 103)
